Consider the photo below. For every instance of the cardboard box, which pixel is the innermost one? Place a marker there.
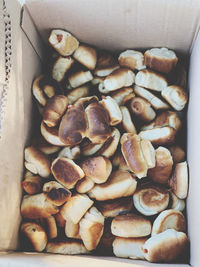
(112, 24)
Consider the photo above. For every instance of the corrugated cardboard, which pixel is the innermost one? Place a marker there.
(2, 47)
(12, 141)
(112, 24)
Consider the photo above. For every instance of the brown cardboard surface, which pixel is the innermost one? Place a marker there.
(30, 59)
(117, 24)
(2, 47)
(15, 130)
(193, 147)
(50, 260)
(105, 24)
(31, 32)
(11, 145)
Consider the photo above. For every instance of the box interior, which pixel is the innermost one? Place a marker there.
(51, 260)
(119, 25)
(114, 25)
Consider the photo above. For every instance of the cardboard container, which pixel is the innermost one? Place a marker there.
(112, 24)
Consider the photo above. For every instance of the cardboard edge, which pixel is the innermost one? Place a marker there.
(196, 34)
(37, 50)
(24, 259)
(193, 145)
(31, 32)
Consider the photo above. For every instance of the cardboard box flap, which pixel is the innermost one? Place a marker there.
(50, 260)
(11, 141)
(121, 24)
(193, 154)
(2, 46)
(15, 127)
(30, 31)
